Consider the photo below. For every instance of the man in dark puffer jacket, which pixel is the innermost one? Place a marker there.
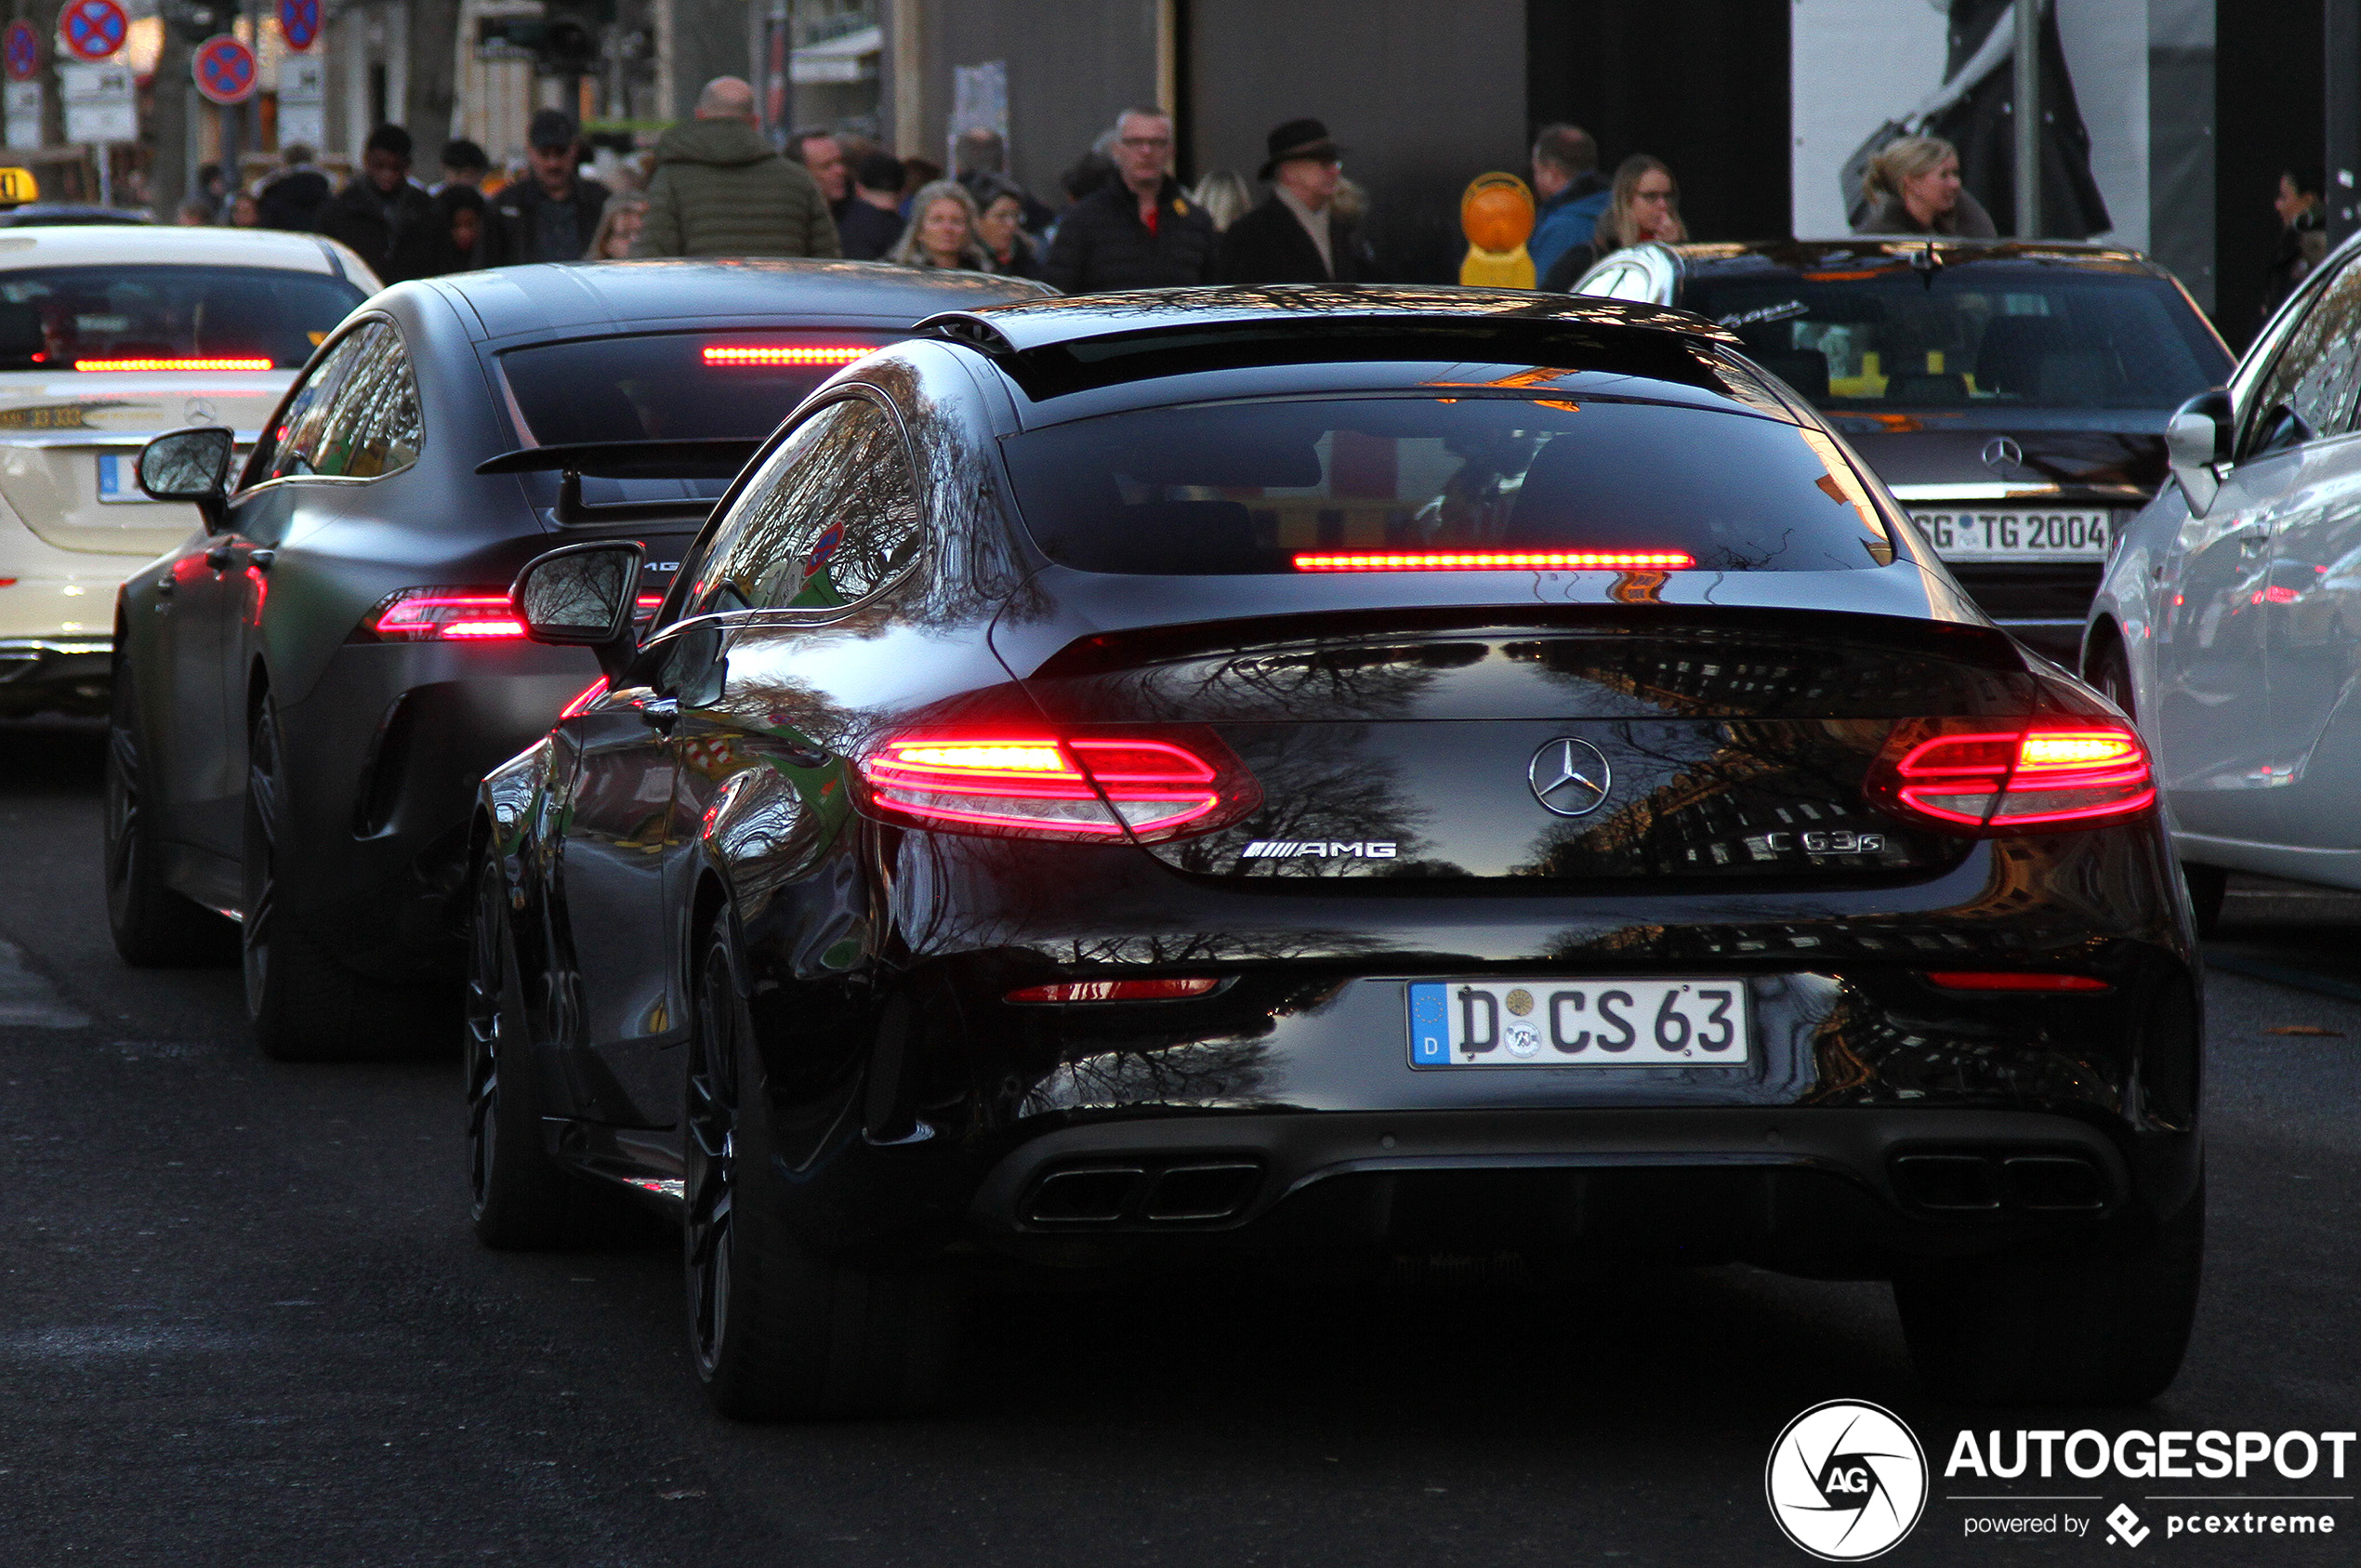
(719, 189)
(1137, 230)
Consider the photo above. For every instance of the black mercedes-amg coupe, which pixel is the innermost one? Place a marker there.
(308, 689)
(1330, 773)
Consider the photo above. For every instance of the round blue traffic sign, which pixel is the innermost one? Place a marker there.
(94, 30)
(299, 24)
(23, 51)
(224, 69)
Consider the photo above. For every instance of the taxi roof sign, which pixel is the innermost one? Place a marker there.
(18, 187)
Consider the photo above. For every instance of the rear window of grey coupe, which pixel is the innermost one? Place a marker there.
(1244, 487)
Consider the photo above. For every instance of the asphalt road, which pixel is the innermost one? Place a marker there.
(245, 1322)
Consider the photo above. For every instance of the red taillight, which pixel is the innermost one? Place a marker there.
(446, 614)
(581, 704)
(1497, 561)
(2003, 980)
(2007, 777)
(1089, 788)
(731, 354)
(1114, 991)
(149, 365)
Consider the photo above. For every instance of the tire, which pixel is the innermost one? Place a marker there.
(777, 1333)
(153, 926)
(2103, 1329)
(521, 1200)
(302, 1004)
(2208, 885)
(2111, 672)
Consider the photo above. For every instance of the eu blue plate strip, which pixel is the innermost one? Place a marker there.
(1429, 1026)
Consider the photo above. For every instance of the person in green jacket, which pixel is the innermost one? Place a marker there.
(721, 189)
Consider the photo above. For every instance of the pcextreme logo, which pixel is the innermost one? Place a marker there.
(1846, 1481)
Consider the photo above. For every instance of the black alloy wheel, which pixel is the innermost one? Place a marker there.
(776, 1332)
(519, 1198)
(2111, 672)
(153, 926)
(302, 1004)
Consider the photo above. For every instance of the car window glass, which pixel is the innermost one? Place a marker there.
(1288, 486)
(373, 418)
(838, 521)
(2308, 394)
(298, 435)
(1971, 338)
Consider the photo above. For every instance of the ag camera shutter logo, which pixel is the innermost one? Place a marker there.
(1846, 1481)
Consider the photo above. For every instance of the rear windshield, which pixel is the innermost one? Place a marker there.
(52, 316)
(672, 386)
(1252, 487)
(1894, 337)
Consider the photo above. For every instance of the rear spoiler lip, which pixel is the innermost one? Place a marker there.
(620, 456)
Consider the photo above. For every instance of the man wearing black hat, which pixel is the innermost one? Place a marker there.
(1137, 230)
(390, 221)
(552, 215)
(1295, 236)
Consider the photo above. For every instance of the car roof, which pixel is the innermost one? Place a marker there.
(68, 212)
(571, 296)
(1698, 259)
(118, 244)
(1310, 307)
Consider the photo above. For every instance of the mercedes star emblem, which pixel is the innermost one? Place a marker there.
(2001, 454)
(201, 412)
(1570, 777)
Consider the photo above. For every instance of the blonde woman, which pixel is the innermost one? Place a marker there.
(1643, 204)
(1225, 196)
(1913, 187)
(618, 226)
(941, 231)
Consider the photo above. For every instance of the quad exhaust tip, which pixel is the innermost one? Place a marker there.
(1998, 1181)
(1196, 1193)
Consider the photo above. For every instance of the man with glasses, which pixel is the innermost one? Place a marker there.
(1137, 231)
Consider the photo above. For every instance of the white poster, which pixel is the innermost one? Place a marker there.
(24, 114)
(100, 105)
(302, 101)
(1837, 105)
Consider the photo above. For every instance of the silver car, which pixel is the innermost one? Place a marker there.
(2229, 620)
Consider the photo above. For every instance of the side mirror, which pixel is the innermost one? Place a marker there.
(2196, 439)
(191, 465)
(583, 596)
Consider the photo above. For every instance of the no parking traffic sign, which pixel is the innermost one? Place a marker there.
(299, 24)
(93, 30)
(23, 51)
(223, 68)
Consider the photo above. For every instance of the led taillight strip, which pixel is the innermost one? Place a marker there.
(119, 365)
(1500, 560)
(724, 354)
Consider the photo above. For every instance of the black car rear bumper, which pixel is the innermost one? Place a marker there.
(1843, 1192)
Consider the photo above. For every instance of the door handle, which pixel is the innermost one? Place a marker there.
(260, 560)
(164, 588)
(662, 712)
(218, 558)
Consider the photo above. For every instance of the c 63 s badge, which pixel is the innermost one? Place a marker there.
(1317, 849)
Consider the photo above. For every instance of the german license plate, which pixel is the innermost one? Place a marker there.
(1995, 535)
(1578, 1024)
(119, 478)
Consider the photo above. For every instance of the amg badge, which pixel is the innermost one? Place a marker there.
(1337, 849)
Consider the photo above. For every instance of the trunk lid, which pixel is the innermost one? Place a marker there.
(1686, 747)
(68, 444)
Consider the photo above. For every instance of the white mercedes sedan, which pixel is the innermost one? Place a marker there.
(2229, 620)
(109, 335)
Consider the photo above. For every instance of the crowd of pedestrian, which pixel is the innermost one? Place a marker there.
(716, 185)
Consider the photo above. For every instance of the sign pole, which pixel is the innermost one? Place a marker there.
(2028, 127)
